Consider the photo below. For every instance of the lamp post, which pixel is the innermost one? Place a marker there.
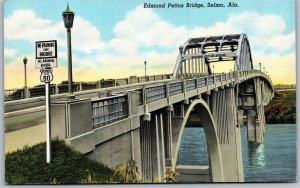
(25, 80)
(260, 66)
(182, 68)
(264, 70)
(213, 69)
(25, 72)
(145, 63)
(68, 17)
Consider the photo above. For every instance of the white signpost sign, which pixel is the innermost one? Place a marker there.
(45, 54)
(46, 59)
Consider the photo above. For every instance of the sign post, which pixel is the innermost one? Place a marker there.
(46, 59)
(47, 77)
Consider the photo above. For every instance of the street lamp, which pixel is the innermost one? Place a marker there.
(264, 70)
(68, 17)
(260, 66)
(25, 73)
(145, 63)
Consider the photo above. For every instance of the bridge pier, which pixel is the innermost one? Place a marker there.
(156, 145)
(224, 111)
(256, 118)
(168, 136)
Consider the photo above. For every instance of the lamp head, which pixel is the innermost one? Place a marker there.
(68, 17)
(25, 60)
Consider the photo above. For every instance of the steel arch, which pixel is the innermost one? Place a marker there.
(234, 47)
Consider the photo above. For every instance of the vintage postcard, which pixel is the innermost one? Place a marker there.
(156, 91)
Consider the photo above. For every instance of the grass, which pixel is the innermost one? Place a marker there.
(28, 166)
(286, 97)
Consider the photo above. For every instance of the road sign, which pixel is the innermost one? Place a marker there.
(45, 54)
(46, 75)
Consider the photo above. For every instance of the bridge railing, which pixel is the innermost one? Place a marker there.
(158, 92)
(14, 94)
(175, 88)
(190, 84)
(114, 108)
(210, 80)
(155, 93)
(108, 110)
(22, 93)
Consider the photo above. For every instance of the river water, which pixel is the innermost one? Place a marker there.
(272, 161)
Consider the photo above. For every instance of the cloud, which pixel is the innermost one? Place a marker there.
(26, 25)
(10, 53)
(143, 28)
(144, 35)
(265, 31)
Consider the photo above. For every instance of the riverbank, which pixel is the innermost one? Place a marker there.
(282, 109)
(28, 166)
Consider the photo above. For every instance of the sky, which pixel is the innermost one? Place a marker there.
(113, 38)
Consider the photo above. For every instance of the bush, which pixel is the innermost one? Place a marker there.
(280, 113)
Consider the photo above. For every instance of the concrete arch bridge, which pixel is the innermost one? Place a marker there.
(145, 122)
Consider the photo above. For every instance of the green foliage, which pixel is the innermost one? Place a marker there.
(55, 181)
(28, 166)
(129, 174)
(285, 97)
(280, 113)
(282, 109)
(171, 175)
(90, 179)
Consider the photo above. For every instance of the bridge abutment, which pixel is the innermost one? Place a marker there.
(113, 145)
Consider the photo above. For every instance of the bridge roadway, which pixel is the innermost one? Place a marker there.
(29, 112)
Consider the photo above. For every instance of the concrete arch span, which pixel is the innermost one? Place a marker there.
(211, 138)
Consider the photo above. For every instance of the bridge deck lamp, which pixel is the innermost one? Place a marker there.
(25, 72)
(68, 17)
(260, 66)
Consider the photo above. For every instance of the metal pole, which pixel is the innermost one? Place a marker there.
(48, 124)
(70, 62)
(260, 66)
(145, 62)
(25, 75)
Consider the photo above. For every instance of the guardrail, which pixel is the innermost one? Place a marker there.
(23, 93)
(110, 109)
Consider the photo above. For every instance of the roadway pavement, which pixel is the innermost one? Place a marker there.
(28, 136)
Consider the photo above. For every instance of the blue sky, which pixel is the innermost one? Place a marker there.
(116, 36)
